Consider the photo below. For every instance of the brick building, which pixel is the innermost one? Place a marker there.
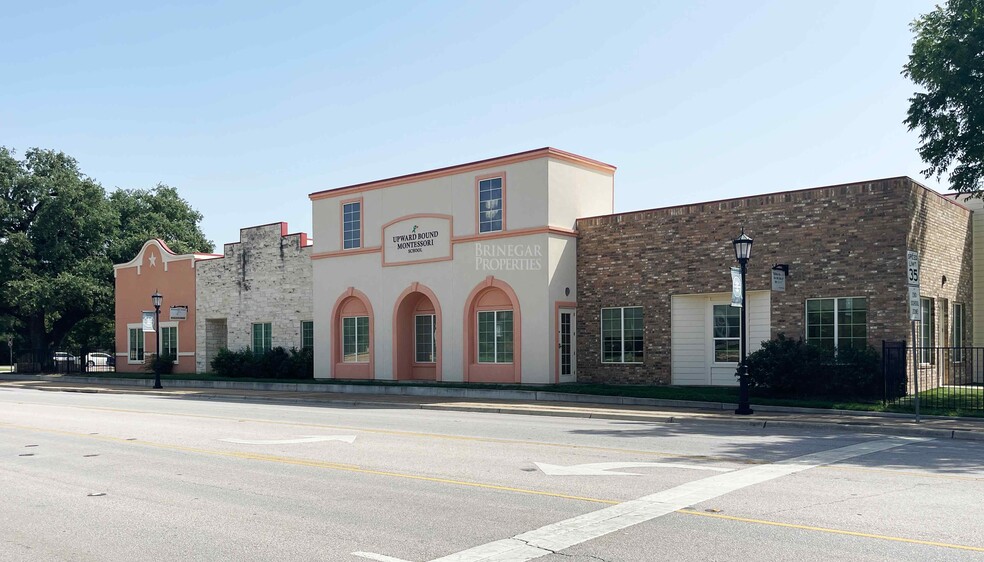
(654, 286)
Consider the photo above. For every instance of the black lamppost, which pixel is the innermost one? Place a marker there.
(158, 298)
(743, 250)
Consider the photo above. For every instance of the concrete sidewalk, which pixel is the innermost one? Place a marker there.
(509, 402)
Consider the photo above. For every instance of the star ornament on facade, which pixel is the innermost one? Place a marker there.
(153, 260)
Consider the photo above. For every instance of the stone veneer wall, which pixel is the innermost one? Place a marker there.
(840, 241)
(265, 277)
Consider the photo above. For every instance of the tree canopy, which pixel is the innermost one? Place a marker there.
(947, 60)
(60, 235)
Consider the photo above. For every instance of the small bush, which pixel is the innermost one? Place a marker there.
(795, 368)
(234, 363)
(163, 364)
(277, 363)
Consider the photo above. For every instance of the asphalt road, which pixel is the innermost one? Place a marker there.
(131, 477)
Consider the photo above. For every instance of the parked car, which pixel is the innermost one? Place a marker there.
(64, 357)
(99, 359)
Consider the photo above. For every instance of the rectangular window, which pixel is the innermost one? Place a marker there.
(169, 342)
(927, 331)
(958, 331)
(727, 333)
(307, 334)
(837, 323)
(425, 337)
(495, 336)
(352, 225)
(490, 205)
(136, 345)
(355, 339)
(621, 335)
(262, 338)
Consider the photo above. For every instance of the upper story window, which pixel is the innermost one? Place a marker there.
(352, 225)
(490, 203)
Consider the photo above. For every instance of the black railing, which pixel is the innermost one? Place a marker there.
(65, 362)
(947, 379)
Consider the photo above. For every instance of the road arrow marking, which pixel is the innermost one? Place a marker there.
(304, 439)
(378, 557)
(608, 468)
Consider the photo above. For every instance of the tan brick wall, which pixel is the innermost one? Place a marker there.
(840, 241)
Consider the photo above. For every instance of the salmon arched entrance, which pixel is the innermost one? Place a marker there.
(492, 295)
(416, 300)
(351, 303)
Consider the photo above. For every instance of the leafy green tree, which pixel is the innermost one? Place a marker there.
(53, 240)
(948, 61)
(60, 235)
(155, 213)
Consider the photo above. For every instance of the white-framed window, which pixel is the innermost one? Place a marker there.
(352, 225)
(727, 333)
(490, 203)
(262, 337)
(169, 340)
(355, 339)
(957, 338)
(839, 323)
(307, 334)
(495, 336)
(135, 343)
(927, 331)
(621, 335)
(425, 338)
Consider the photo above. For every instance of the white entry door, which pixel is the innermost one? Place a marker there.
(567, 355)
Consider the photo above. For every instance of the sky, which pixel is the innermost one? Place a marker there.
(247, 107)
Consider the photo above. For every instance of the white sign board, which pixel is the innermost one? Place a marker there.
(913, 303)
(912, 268)
(778, 280)
(912, 280)
(148, 321)
(736, 287)
(418, 238)
(179, 313)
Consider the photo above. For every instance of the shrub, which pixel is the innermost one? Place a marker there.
(163, 364)
(277, 363)
(787, 367)
(234, 363)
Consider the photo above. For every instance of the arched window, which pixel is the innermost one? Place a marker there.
(493, 333)
(352, 338)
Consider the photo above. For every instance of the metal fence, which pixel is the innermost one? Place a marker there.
(64, 362)
(946, 378)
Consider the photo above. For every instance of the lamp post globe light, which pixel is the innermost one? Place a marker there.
(157, 299)
(743, 251)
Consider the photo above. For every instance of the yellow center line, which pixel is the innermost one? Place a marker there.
(361, 470)
(833, 531)
(662, 454)
(309, 463)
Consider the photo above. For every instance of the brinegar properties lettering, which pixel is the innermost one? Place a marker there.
(415, 242)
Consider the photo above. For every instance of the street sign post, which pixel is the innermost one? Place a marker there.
(912, 280)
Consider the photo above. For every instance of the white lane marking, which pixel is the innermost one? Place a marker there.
(304, 439)
(565, 534)
(607, 468)
(378, 557)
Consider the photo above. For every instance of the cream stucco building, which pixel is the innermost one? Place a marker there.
(465, 273)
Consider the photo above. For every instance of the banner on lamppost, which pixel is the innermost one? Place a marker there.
(736, 287)
(148, 321)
